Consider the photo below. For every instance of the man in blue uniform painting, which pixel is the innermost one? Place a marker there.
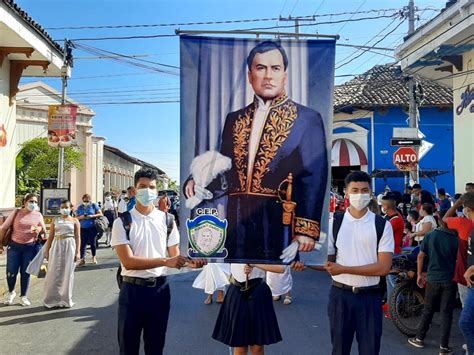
(266, 141)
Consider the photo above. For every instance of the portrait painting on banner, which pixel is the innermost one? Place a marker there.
(256, 119)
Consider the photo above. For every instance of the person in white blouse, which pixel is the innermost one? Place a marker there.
(425, 225)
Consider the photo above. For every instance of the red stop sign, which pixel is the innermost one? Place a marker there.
(405, 159)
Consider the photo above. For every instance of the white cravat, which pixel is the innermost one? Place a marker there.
(257, 127)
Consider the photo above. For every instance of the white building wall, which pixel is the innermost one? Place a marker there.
(7, 153)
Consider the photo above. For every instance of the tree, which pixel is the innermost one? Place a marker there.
(173, 185)
(37, 161)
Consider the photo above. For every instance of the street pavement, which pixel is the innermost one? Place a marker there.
(90, 326)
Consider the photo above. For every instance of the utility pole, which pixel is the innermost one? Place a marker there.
(64, 77)
(412, 85)
(297, 21)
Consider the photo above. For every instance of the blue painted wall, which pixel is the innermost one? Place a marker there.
(436, 124)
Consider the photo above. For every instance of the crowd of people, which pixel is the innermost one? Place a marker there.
(361, 242)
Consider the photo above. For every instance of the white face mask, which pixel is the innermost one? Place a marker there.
(465, 212)
(359, 201)
(65, 211)
(384, 211)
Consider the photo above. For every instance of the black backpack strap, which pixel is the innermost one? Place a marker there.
(379, 227)
(169, 225)
(336, 226)
(126, 218)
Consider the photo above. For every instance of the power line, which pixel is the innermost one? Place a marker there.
(365, 50)
(224, 21)
(246, 29)
(113, 103)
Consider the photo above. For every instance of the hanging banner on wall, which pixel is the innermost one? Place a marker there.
(256, 118)
(62, 125)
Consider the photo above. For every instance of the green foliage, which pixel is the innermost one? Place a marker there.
(173, 185)
(37, 161)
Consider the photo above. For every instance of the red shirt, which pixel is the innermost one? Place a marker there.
(464, 227)
(398, 227)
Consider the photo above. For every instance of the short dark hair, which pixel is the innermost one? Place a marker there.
(441, 191)
(131, 187)
(428, 208)
(266, 46)
(86, 195)
(414, 214)
(416, 186)
(124, 191)
(357, 176)
(469, 184)
(145, 173)
(66, 201)
(468, 200)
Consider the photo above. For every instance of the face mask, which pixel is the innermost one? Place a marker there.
(65, 211)
(146, 196)
(359, 201)
(384, 211)
(86, 203)
(31, 206)
(422, 213)
(108, 198)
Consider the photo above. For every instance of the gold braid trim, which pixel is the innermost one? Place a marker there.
(307, 227)
(241, 137)
(277, 128)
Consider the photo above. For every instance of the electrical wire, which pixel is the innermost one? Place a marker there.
(227, 21)
(365, 50)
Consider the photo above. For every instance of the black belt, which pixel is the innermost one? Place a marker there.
(354, 289)
(150, 282)
(245, 286)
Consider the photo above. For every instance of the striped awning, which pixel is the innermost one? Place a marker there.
(347, 153)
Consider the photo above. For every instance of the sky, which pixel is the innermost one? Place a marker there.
(151, 131)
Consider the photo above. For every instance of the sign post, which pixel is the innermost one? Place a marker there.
(405, 159)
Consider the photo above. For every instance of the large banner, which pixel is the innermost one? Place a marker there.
(256, 122)
(62, 125)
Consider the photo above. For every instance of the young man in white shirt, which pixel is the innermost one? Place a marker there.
(144, 301)
(356, 261)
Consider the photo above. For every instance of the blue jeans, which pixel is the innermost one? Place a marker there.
(466, 321)
(88, 235)
(391, 282)
(18, 258)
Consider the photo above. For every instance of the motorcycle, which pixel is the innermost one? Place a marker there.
(407, 299)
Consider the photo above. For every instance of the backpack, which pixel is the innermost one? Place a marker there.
(101, 224)
(337, 222)
(126, 218)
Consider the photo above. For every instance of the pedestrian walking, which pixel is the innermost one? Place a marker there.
(466, 321)
(122, 203)
(86, 213)
(144, 252)
(26, 223)
(440, 247)
(360, 248)
(62, 251)
(110, 212)
(247, 319)
(281, 284)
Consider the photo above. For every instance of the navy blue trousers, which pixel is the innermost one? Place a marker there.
(355, 313)
(143, 309)
(19, 257)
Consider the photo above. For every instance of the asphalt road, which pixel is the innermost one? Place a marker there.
(90, 326)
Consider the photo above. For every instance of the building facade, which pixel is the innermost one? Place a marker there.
(25, 50)
(443, 50)
(368, 108)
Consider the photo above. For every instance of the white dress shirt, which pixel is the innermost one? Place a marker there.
(258, 123)
(357, 246)
(148, 236)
